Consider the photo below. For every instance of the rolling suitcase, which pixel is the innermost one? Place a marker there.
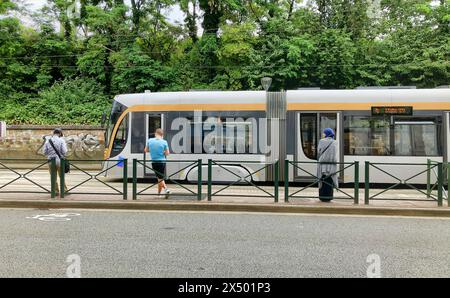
(326, 191)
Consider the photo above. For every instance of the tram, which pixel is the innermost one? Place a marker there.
(388, 125)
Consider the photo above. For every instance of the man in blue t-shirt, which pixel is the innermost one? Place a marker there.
(159, 150)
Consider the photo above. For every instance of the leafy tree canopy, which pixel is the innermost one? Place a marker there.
(68, 65)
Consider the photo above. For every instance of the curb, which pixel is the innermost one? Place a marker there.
(228, 207)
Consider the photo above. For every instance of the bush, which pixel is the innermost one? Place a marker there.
(72, 101)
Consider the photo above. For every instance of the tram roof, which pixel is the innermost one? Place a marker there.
(293, 96)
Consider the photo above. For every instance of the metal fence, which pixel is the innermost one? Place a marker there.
(147, 165)
(314, 179)
(40, 177)
(15, 170)
(243, 180)
(94, 177)
(386, 169)
(432, 172)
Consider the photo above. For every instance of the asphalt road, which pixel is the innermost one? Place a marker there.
(175, 244)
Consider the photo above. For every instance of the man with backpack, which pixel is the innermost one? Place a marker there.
(55, 148)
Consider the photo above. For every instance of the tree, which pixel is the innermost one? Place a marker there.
(346, 15)
(189, 7)
(117, 46)
(285, 54)
(109, 28)
(6, 5)
(237, 58)
(334, 60)
(135, 72)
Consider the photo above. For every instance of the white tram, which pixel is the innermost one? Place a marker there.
(376, 125)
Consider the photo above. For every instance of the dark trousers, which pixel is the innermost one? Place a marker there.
(326, 189)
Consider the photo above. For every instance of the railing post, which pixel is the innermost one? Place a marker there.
(53, 177)
(448, 184)
(199, 180)
(209, 179)
(440, 184)
(286, 181)
(428, 178)
(134, 179)
(356, 183)
(125, 179)
(366, 183)
(276, 180)
(62, 166)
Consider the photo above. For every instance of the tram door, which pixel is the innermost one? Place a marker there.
(310, 126)
(153, 122)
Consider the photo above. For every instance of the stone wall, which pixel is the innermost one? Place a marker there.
(26, 142)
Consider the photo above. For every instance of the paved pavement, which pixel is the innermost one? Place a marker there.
(174, 244)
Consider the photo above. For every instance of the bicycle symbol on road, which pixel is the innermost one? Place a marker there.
(55, 217)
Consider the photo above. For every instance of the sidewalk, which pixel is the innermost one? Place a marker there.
(242, 203)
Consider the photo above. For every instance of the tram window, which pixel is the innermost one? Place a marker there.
(417, 137)
(154, 122)
(120, 140)
(364, 135)
(234, 135)
(328, 120)
(308, 125)
(138, 138)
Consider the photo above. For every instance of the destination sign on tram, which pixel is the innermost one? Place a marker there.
(407, 111)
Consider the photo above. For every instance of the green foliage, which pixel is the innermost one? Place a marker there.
(237, 57)
(69, 73)
(134, 71)
(6, 5)
(335, 59)
(78, 101)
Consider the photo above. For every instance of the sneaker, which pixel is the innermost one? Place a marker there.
(166, 191)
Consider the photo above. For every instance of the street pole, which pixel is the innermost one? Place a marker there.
(266, 82)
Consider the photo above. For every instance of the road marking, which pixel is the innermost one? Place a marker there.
(55, 217)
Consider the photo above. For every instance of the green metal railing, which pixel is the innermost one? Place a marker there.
(146, 164)
(406, 182)
(435, 173)
(344, 166)
(94, 177)
(246, 180)
(431, 172)
(23, 174)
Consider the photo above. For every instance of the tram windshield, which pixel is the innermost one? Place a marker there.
(117, 110)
